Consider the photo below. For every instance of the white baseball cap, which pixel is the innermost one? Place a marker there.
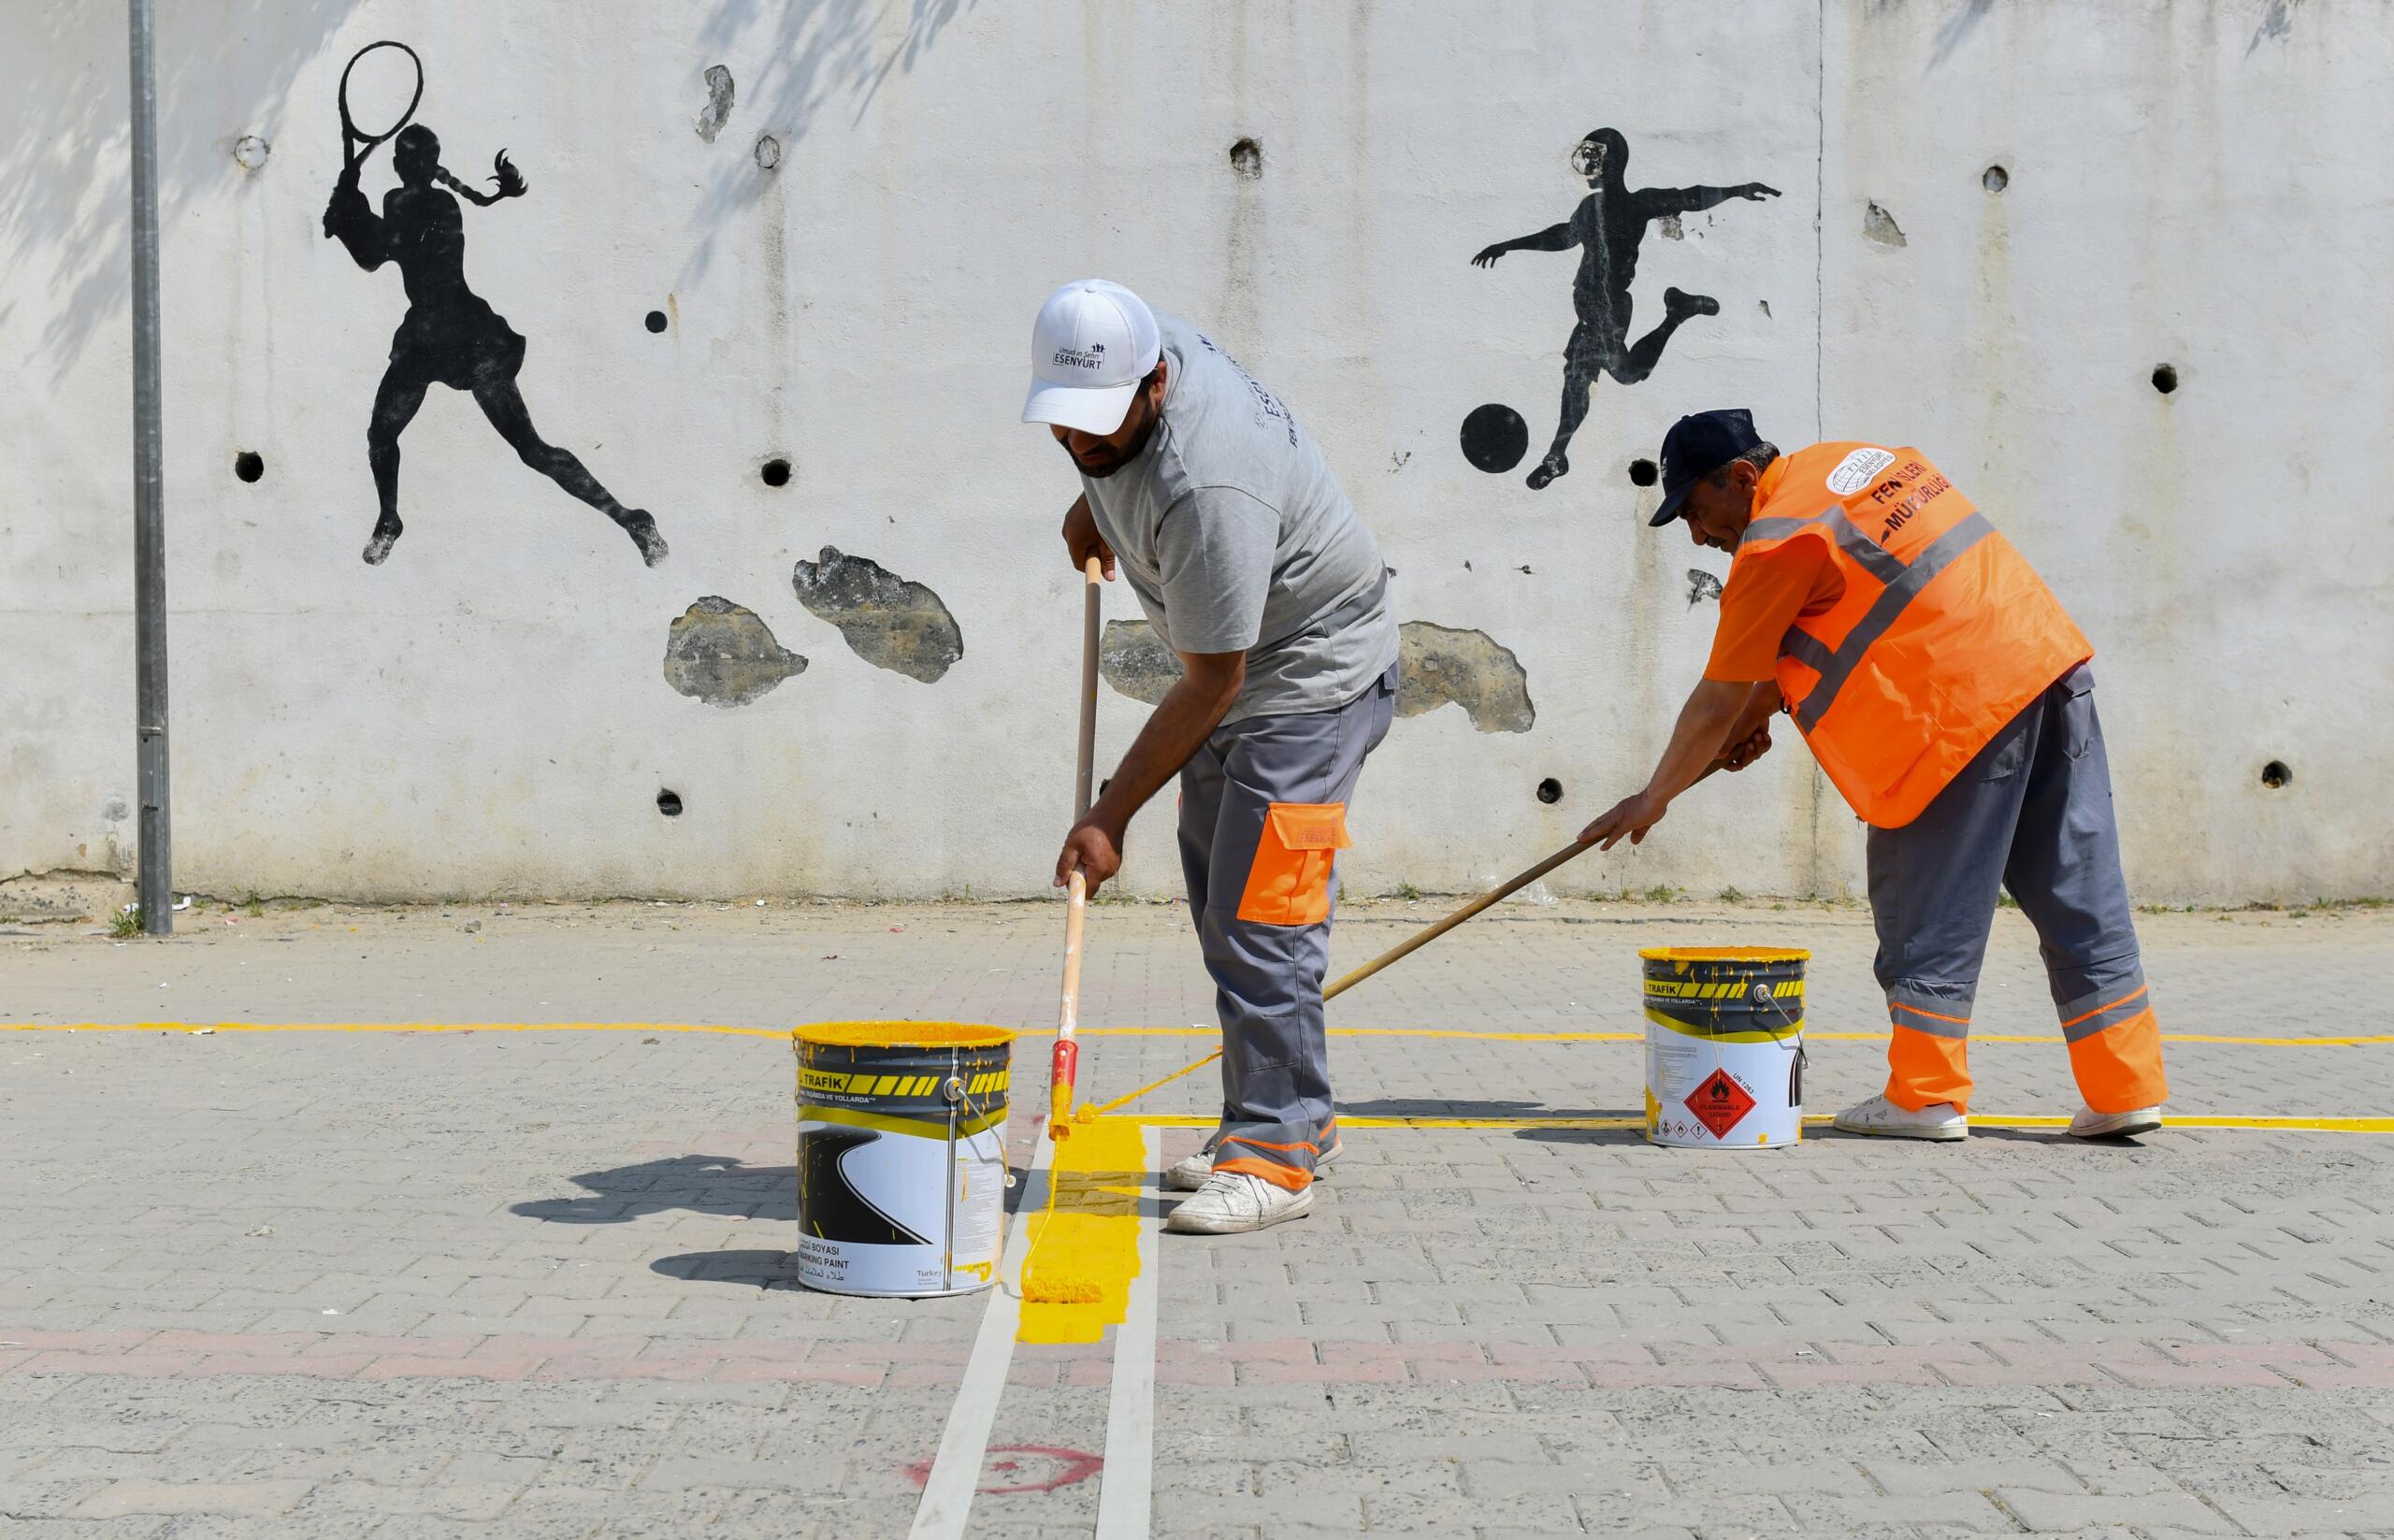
(1092, 344)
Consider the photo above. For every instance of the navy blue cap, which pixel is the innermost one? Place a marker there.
(1697, 446)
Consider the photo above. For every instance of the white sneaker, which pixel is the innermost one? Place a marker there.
(2090, 1124)
(1882, 1118)
(1188, 1172)
(1232, 1203)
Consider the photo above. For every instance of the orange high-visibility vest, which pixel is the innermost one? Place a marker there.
(1944, 635)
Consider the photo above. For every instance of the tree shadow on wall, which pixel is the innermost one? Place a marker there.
(789, 62)
(224, 70)
(694, 1184)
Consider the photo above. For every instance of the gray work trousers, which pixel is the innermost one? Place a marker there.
(2031, 814)
(1259, 849)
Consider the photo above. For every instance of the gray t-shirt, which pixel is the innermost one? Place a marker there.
(1235, 536)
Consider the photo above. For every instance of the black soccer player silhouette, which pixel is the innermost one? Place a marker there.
(1606, 227)
(450, 335)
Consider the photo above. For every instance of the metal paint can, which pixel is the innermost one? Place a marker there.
(1725, 1046)
(901, 1165)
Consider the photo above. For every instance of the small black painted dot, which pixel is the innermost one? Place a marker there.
(656, 320)
(2165, 378)
(1995, 178)
(670, 803)
(2275, 776)
(1641, 472)
(776, 472)
(1550, 791)
(1247, 159)
(249, 465)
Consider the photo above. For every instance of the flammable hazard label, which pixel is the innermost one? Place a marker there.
(1720, 1104)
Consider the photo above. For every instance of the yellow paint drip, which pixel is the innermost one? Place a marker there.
(1085, 1247)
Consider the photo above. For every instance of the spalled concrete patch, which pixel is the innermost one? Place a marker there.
(62, 897)
(1436, 664)
(717, 111)
(1879, 225)
(1701, 585)
(1135, 662)
(887, 620)
(722, 654)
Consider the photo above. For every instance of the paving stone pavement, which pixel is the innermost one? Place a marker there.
(535, 1283)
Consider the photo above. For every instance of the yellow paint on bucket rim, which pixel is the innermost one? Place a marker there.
(901, 1034)
(1685, 954)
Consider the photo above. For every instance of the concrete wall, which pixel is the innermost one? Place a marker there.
(494, 708)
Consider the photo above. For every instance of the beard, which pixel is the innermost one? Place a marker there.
(1109, 459)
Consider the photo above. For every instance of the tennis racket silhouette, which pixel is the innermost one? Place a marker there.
(356, 145)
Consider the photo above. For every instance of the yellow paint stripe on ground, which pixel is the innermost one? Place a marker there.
(781, 1035)
(1089, 1241)
(1978, 1120)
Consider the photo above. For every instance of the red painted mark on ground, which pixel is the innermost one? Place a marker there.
(1065, 1467)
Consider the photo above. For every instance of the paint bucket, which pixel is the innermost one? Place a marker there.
(901, 1161)
(1725, 1046)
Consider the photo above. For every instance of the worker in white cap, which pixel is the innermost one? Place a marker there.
(1199, 486)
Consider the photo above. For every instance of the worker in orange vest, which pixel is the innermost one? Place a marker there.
(1946, 693)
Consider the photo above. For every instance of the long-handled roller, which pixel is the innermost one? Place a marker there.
(1064, 1069)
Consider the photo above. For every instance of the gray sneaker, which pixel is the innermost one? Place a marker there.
(1188, 1172)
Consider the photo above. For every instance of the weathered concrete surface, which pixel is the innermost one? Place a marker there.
(723, 655)
(1438, 664)
(2199, 184)
(891, 622)
(523, 1284)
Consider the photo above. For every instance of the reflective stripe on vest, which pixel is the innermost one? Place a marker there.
(1904, 583)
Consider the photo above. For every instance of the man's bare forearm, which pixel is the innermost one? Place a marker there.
(1704, 728)
(1181, 724)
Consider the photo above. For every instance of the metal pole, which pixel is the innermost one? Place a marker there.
(156, 873)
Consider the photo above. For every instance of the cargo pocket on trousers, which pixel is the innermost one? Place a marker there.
(1289, 884)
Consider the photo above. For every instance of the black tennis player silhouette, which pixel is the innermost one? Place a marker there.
(450, 335)
(1606, 227)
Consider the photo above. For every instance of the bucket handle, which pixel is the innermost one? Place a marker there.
(1762, 995)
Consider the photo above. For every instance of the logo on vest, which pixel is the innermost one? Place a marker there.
(1855, 471)
(1093, 357)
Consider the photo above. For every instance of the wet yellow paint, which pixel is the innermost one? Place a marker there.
(1089, 1239)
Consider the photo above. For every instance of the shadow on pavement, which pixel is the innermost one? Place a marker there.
(696, 1183)
(1433, 1106)
(744, 1269)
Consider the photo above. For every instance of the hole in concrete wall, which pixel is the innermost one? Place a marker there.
(2165, 378)
(1641, 472)
(1550, 791)
(1995, 178)
(250, 152)
(776, 472)
(670, 803)
(249, 465)
(769, 151)
(1247, 159)
(656, 321)
(2275, 776)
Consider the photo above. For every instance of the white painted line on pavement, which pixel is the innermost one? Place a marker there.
(956, 1471)
(1125, 1496)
